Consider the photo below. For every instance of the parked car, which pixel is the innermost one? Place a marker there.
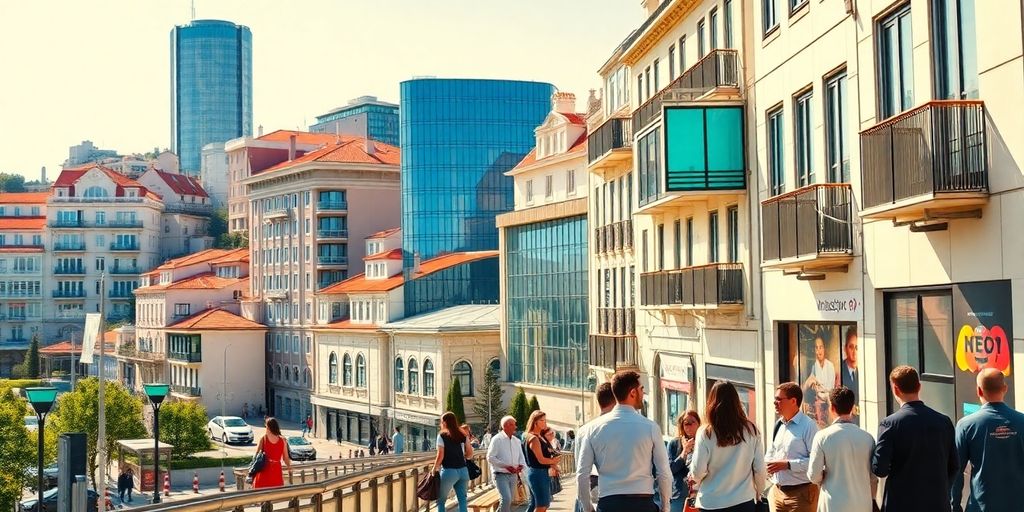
(230, 429)
(50, 502)
(49, 477)
(31, 423)
(300, 449)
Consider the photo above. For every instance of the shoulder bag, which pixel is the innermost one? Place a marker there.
(259, 460)
(471, 466)
(428, 487)
(520, 496)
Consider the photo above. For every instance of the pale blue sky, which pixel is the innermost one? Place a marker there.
(99, 69)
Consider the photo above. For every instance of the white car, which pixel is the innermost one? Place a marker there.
(230, 429)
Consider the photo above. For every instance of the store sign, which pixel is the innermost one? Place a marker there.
(980, 347)
(844, 306)
(675, 372)
(984, 313)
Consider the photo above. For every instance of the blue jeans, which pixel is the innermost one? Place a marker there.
(506, 484)
(457, 478)
(540, 488)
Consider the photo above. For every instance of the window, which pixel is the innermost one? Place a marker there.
(956, 49)
(689, 242)
(428, 377)
(182, 309)
(307, 378)
(733, 214)
(682, 55)
(399, 376)
(661, 246)
(713, 20)
(769, 20)
(796, 4)
(701, 48)
(640, 88)
(570, 182)
(649, 166)
(495, 366)
(896, 63)
(802, 139)
(657, 81)
(776, 178)
(713, 237)
(549, 186)
(463, 372)
(643, 251)
(360, 371)
(346, 369)
(101, 218)
(836, 130)
(671, 62)
(96, 191)
(919, 334)
(727, 22)
(647, 82)
(529, 191)
(414, 377)
(677, 237)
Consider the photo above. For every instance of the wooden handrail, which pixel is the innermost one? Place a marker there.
(885, 123)
(803, 189)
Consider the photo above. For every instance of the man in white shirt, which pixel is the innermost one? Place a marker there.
(789, 449)
(606, 401)
(823, 379)
(486, 440)
(841, 460)
(624, 446)
(507, 460)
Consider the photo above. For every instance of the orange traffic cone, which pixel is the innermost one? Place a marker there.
(221, 481)
(195, 482)
(167, 484)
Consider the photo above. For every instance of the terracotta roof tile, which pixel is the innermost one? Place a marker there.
(233, 256)
(22, 223)
(191, 259)
(182, 184)
(68, 178)
(393, 254)
(350, 150)
(204, 281)
(300, 137)
(215, 319)
(24, 197)
(359, 283)
(384, 234)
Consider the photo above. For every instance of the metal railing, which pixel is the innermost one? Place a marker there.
(120, 294)
(616, 321)
(61, 199)
(715, 284)
(186, 390)
(332, 260)
(807, 222)
(197, 208)
(331, 206)
(68, 294)
(936, 148)
(123, 223)
(615, 133)
(332, 233)
(188, 357)
(613, 352)
(719, 68)
(124, 270)
(66, 223)
(115, 246)
(69, 246)
(69, 270)
(127, 350)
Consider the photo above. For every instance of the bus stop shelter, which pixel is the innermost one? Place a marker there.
(137, 454)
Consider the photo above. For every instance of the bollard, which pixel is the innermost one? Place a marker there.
(195, 482)
(167, 485)
(221, 481)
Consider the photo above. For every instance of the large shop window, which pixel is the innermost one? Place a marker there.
(675, 378)
(819, 357)
(742, 378)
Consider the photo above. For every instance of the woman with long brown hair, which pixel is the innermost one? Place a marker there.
(680, 452)
(539, 459)
(275, 450)
(452, 451)
(728, 466)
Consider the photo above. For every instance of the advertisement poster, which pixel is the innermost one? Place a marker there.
(824, 356)
(983, 325)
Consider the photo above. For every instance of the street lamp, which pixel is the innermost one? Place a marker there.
(42, 400)
(156, 394)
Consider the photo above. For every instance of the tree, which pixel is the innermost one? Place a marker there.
(218, 225)
(453, 402)
(17, 447)
(519, 408)
(534, 404)
(488, 404)
(11, 182)
(183, 425)
(32, 358)
(78, 411)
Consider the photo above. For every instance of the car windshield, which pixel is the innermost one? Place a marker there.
(298, 441)
(234, 422)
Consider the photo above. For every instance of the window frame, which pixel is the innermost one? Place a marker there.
(893, 20)
(775, 139)
(769, 24)
(713, 236)
(836, 127)
(464, 373)
(803, 135)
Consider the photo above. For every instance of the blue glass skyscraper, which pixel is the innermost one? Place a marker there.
(211, 87)
(364, 116)
(458, 137)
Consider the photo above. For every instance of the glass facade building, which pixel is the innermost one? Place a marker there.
(546, 303)
(211, 87)
(378, 121)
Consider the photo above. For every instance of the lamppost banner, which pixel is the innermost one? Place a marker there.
(92, 331)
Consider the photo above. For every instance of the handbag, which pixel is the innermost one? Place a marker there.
(259, 460)
(428, 487)
(690, 505)
(520, 495)
(474, 469)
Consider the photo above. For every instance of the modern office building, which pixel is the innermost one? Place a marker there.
(544, 261)
(87, 152)
(211, 87)
(459, 136)
(364, 116)
(23, 242)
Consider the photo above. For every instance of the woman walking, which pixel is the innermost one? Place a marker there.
(728, 466)
(275, 450)
(452, 451)
(539, 459)
(680, 453)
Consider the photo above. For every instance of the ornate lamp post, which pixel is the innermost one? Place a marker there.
(156, 394)
(42, 400)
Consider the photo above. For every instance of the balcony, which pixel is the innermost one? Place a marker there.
(127, 350)
(124, 246)
(613, 237)
(616, 321)
(187, 391)
(189, 208)
(16, 317)
(322, 260)
(69, 294)
(69, 271)
(716, 76)
(331, 206)
(716, 286)
(69, 246)
(610, 145)
(66, 223)
(279, 294)
(927, 163)
(109, 199)
(809, 231)
(120, 294)
(277, 213)
(14, 343)
(614, 352)
(123, 223)
(188, 357)
(124, 270)
(332, 233)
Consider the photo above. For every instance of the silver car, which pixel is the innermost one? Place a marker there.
(230, 429)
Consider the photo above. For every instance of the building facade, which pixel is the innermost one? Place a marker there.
(365, 117)
(23, 260)
(213, 173)
(211, 87)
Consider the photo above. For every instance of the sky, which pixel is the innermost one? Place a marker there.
(99, 70)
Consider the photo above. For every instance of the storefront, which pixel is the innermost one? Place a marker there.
(675, 385)
(350, 426)
(742, 378)
(819, 356)
(420, 430)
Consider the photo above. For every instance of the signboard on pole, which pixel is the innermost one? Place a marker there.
(92, 331)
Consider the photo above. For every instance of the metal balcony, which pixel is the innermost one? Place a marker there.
(809, 229)
(69, 271)
(124, 270)
(332, 260)
(69, 294)
(717, 70)
(186, 390)
(610, 144)
(332, 233)
(713, 286)
(123, 246)
(69, 246)
(188, 357)
(332, 206)
(613, 353)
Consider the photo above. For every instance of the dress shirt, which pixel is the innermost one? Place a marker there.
(727, 475)
(505, 451)
(825, 374)
(792, 443)
(841, 464)
(623, 445)
(992, 440)
(398, 443)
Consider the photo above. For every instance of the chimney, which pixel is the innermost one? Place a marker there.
(415, 263)
(291, 147)
(370, 147)
(563, 102)
(259, 131)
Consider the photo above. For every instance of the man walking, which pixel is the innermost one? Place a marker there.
(507, 459)
(788, 453)
(992, 440)
(915, 450)
(307, 425)
(606, 401)
(624, 445)
(841, 460)
(398, 441)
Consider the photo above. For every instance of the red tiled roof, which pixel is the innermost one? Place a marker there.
(450, 260)
(21, 248)
(215, 319)
(574, 118)
(233, 256)
(207, 255)
(384, 234)
(204, 281)
(393, 254)
(22, 223)
(24, 197)
(346, 150)
(580, 146)
(64, 347)
(359, 283)
(300, 137)
(182, 184)
(68, 178)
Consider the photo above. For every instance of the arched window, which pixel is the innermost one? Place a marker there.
(399, 376)
(414, 377)
(332, 369)
(277, 371)
(428, 377)
(95, 191)
(346, 369)
(495, 366)
(360, 371)
(295, 374)
(464, 372)
(270, 371)
(307, 378)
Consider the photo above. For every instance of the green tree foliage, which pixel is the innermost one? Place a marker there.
(534, 404)
(519, 408)
(32, 358)
(17, 447)
(453, 402)
(78, 411)
(488, 403)
(183, 425)
(11, 182)
(223, 239)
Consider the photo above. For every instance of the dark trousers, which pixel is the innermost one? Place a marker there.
(626, 503)
(742, 507)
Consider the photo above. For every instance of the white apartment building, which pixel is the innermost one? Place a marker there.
(213, 172)
(23, 242)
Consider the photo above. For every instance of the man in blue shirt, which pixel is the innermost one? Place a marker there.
(992, 439)
(398, 441)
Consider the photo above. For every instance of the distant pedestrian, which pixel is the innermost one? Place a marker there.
(507, 460)
(485, 441)
(372, 445)
(122, 485)
(131, 483)
(424, 443)
(382, 444)
(570, 441)
(915, 450)
(398, 441)
(992, 440)
(789, 450)
(728, 467)
(473, 441)
(680, 453)
(624, 445)
(307, 425)
(841, 459)
(452, 451)
(245, 410)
